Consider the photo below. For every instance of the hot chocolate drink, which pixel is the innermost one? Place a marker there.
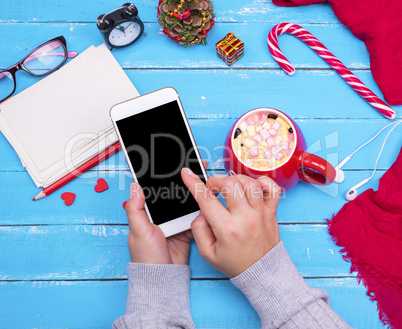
(263, 140)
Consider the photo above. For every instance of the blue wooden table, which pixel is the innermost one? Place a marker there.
(65, 267)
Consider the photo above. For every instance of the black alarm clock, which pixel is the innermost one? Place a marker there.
(121, 27)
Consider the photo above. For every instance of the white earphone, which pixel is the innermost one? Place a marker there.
(352, 193)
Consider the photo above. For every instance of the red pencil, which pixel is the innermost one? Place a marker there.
(79, 171)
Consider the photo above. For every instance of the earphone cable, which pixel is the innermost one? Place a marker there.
(383, 144)
(369, 141)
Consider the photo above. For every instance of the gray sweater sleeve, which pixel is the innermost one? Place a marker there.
(282, 298)
(157, 298)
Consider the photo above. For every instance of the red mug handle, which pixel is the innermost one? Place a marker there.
(315, 170)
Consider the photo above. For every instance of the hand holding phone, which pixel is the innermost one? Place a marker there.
(232, 239)
(157, 142)
(146, 241)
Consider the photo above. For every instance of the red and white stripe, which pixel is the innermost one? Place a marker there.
(325, 54)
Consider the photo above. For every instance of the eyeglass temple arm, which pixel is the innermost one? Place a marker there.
(70, 54)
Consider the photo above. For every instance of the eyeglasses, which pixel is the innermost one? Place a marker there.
(44, 60)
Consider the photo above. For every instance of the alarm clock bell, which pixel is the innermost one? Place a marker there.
(121, 27)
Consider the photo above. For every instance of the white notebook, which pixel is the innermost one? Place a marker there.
(63, 120)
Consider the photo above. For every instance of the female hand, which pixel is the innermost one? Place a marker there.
(232, 239)
(146, 241)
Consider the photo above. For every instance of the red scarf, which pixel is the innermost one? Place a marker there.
(370, 231)
(378, 24)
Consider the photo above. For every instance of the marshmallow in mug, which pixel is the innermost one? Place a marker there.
(263, 140)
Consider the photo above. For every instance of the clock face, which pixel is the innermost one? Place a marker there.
(124, 33)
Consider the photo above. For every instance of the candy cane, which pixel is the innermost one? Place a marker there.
(327, 56)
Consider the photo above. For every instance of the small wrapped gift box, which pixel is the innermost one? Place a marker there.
(230, 49)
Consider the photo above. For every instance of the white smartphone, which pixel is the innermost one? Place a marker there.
(157, 141)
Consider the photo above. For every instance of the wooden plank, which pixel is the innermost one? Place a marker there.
(307, 94)
(332, 139)
(76, 252)
(17, 207)
(235, 11)
(19, 39)
(314, 94)
(214, 304)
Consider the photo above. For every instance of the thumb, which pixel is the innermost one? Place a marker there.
(203, 235)
(136, 215)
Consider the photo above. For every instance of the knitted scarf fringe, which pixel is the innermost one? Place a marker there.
(347, 256)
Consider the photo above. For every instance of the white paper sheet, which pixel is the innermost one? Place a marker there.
(66, 113)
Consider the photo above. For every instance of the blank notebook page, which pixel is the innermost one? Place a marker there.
(66, 108)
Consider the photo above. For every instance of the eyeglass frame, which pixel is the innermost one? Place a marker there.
(20, 65)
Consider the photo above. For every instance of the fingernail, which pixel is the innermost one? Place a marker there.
(134, 190)
(189, 172)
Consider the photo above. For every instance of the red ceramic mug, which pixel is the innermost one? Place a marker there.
(295, 165)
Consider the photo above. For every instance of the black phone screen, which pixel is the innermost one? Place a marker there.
(159, 146)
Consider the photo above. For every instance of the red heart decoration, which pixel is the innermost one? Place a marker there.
(124, 204)
(68, 198)
(101, 186)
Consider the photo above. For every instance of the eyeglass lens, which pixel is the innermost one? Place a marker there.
(46, 58)
(6, 84)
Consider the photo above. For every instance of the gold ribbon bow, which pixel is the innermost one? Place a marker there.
(228, 41)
